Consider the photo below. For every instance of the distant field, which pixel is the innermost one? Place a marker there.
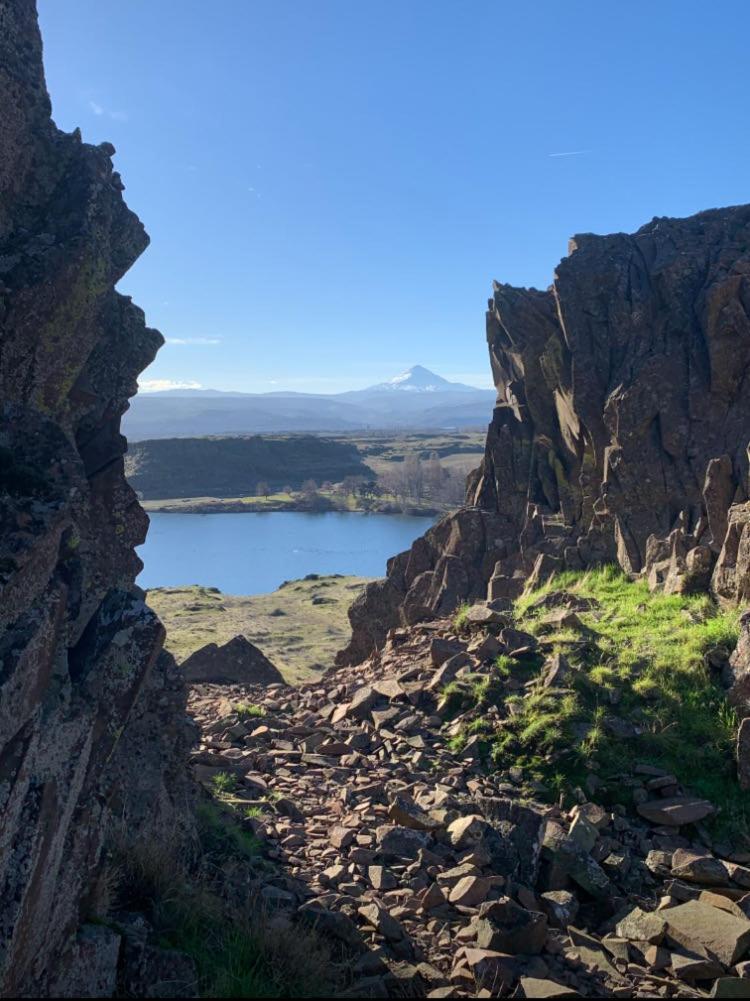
(181, 483)
(458, 451)
(299, 627)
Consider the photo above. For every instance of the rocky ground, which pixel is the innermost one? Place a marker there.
(441, 875)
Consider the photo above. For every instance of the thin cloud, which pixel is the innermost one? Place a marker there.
(193, 340)
(572, 152)
(99, 110)
(159, 385)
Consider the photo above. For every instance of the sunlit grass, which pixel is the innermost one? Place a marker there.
(640, 662)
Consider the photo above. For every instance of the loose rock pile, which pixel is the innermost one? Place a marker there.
(443, 877)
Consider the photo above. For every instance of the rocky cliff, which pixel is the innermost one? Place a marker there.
(620, 432)
(93, 733)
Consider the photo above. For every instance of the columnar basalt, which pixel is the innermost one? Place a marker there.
(93, 733)
(620, 432)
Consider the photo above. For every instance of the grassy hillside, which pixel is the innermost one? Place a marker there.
(299, 627)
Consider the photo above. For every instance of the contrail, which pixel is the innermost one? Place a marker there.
(574, 152)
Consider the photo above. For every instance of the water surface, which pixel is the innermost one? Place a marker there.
(252, 553)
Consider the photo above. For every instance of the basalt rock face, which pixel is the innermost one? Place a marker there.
(621, 428)
(93, 733)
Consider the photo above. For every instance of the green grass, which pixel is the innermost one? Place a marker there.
(221, 836)
(459, 620)
(239, 950)
(224, 783)
(640, 658)
(249, 710)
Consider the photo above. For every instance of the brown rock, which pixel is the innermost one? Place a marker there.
(507, 927)
(404, 811)
(696, 926)
(534, 987)
(341, 837)
(470, 891)
(467, 832)
(492, 970)
(642, 926)
(675, 811)
(702, 869)
(382, 921)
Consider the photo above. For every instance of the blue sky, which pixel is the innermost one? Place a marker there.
(331, 187)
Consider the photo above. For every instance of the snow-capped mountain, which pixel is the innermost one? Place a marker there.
(419, 379)
(415, 399)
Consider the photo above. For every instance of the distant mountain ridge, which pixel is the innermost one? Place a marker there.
(417, 398)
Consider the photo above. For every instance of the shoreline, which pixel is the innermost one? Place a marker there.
(211, 505)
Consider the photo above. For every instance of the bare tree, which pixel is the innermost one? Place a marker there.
(414, 476)
(262, 489)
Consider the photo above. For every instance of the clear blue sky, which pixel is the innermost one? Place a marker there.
(331, 186)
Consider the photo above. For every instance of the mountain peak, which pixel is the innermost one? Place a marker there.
(419, 379)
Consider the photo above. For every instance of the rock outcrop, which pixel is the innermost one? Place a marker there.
(238, 662)
(620, 432)
(93, 733)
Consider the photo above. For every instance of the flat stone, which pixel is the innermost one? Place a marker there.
(691, 966)
(730, 987)
(642, 926)
(381, 878)
(405, 812)
(493, 970)
(341, 837)
(382, 921)
(470, 891)
(443, 649)
(583, 832)
(400, 842)
(362, 702)
(534, 987)
(702, 869)
(697, 926)
(675, 811)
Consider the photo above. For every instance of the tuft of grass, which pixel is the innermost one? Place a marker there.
(249, 710)
(224, 783)
(640, 663)
(459, 619)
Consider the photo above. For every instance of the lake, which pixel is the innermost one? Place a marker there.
(252, 553)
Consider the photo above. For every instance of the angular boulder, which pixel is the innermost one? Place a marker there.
(238, 662)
